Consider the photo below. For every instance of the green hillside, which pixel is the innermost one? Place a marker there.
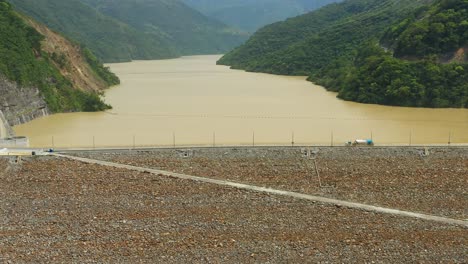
(429, 38)
(310, 42)
(109, 39)
(251, 15)
(435, 29)
(23, 61)
(339, 47)
(186, 29)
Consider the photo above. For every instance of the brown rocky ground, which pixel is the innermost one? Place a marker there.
(432, 181)
(56, 210)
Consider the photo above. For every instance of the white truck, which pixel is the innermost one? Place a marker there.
(360, 142)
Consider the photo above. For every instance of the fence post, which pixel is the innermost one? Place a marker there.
(253, 139)
(331, 139)
(173, 140)
(214, 139)
(450, 138)
(292, 139)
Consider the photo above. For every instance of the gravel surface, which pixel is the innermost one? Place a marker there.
(62, 211)
(432, 181)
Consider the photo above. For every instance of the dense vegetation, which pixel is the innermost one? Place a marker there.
(187, 30)
(250, 15)
(98, 68)
(338, 47)
(109, 39)
(23, 61)
(437, 29)
(124, 30)
(305, 44)
(378, 77)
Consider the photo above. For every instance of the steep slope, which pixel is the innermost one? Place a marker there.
(438, 29)
(428, 66)
(188, 30)
(77, 64)
(42, 73)
(251, 15)
(109, 39)
(307, 43)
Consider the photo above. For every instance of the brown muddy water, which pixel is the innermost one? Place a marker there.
(192, 101)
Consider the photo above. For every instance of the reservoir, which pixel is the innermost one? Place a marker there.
(192, 101)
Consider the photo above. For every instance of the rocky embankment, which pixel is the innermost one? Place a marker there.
(19, 105)
(59, 211)
(426, 180)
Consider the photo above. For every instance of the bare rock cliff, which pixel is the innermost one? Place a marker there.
(18, 105)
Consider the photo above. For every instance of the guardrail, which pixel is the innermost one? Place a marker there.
(46, 151)
(21, 142)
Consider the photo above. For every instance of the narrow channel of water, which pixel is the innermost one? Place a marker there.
(192, 101)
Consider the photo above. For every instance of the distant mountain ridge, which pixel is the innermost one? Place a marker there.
(187, 30)
(119, 31)
(109, 39)
(251, 15)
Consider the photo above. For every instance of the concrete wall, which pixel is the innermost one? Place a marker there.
(18, 105)
(14, 142)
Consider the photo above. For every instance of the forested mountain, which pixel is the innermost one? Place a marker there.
(250, 15)
(108, 38)
(186, 29)
(438, 29)
(307, 43)
(427, 68)
(133, 29)
(338, 46)
(31, 59)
